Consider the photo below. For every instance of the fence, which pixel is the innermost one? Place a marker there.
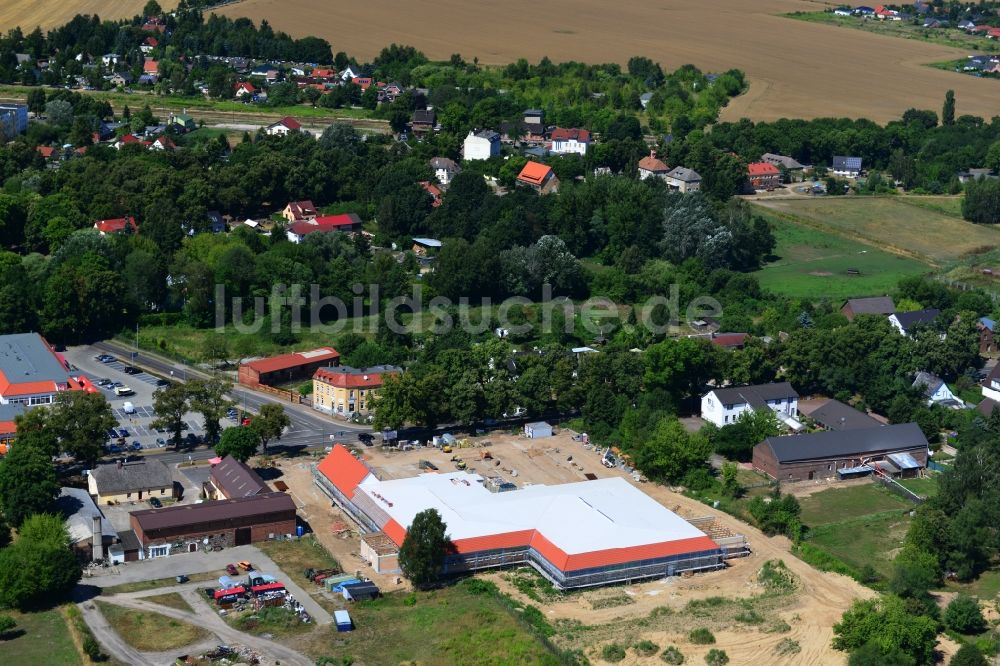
(900, 490)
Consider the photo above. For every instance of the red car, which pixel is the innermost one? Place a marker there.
(232, 570)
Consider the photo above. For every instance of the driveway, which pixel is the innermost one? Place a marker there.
(189, 563)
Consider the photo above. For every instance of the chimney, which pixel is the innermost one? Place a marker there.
(97, 552)
(652, 153)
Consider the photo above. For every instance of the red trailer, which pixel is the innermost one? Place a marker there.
(258, 590)
(229, 596)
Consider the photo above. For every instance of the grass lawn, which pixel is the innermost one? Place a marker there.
(150, 632)
(446, 626)
(41, 639)
(814, 264)
(278, 622)
(294, 557)
(170, 599)
(903, 29)
(924, 487)
(839, 504)
(915, 227)
(862, 541)
(141, 585)
(987, 586)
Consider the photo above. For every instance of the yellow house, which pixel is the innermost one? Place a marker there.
(130, 482)
(344, 391)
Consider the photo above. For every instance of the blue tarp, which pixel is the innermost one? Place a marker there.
(340, 586)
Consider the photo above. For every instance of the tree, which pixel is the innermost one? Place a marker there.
(269, 423)
(671, 452)
(28, 483)
(171, 404)
(981, 204)
(964, 615)
(39, 569)
(239, 442)
(870, 654)
(948, 111)
(81, 421)
(424, 548)
(968, 655)
(208, 398)
(59, 112)
(730, 483)
(914, 573)
(885, 622)
(679, 367)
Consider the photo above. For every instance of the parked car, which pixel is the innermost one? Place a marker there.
(246, 566)
(232, 570)
(162, 382)
(123, 390)
(136, 445)
(155, 503)
(123, 432)
(131, 370)
(160, 441)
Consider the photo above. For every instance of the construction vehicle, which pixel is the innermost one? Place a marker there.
(446, 449)
(485, 455)
(460, 464)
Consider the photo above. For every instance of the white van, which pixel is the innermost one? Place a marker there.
(128, 408)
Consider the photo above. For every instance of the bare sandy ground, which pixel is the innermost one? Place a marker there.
(811, 611)
(797, 69)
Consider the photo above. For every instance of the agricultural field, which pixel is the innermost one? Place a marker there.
(944, 36)
(924, 229)
(51, 13)
(813, 264)
(789, 63)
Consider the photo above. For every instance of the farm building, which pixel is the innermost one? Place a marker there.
(232, 522)
(835, 415)
(130, 482)
(287, 367)
(91, 535)
(906, 322)
(537, 430)
(232, 478)
(575, 534)
(897, 450)
(876, 305)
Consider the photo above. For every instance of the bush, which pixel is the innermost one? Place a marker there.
(750, 616)
(646, 648)
(93, 649)
(672, 656)
(6, 624)
(701, 636)
(613, 652)
(964, 616)
(776, 577)
(968, 655)
(787, 646)
(410, 599)
(716, 657)
(478, 586)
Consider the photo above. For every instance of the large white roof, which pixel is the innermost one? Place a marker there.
(577, 517)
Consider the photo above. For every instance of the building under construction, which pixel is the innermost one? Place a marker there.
(576, 534)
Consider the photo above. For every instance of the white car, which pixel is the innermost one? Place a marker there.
(123, 390)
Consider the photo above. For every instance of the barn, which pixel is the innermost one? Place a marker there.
(896, 450)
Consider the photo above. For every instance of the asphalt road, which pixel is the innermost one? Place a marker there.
(307, 428)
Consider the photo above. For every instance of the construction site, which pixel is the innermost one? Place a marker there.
(518, 502)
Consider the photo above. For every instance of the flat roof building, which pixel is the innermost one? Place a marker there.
(575, 534)
(31, 373)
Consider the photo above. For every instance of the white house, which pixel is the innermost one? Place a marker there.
(723, 406)
(991, 385)
(481, 145)
(283, 127)
(844, 165)
(444, 170)
(904, 322)
(936, 391)
(569, 141)
(652, 167)
(843, 11)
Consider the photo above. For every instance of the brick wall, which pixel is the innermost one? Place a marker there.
(764, 461)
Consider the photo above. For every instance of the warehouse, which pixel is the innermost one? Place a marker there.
(575, 534)
(286, 367)
(896, 450)
(225, 523)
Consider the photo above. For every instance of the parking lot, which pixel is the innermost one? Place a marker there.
(137, 422)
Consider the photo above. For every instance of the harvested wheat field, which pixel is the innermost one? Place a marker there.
(53, 13)
(797, 69)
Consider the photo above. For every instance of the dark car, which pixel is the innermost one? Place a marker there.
(162, 382)
(122, 432)
(232, 570)
(136, 446)
(155, 503)
(131, 370)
